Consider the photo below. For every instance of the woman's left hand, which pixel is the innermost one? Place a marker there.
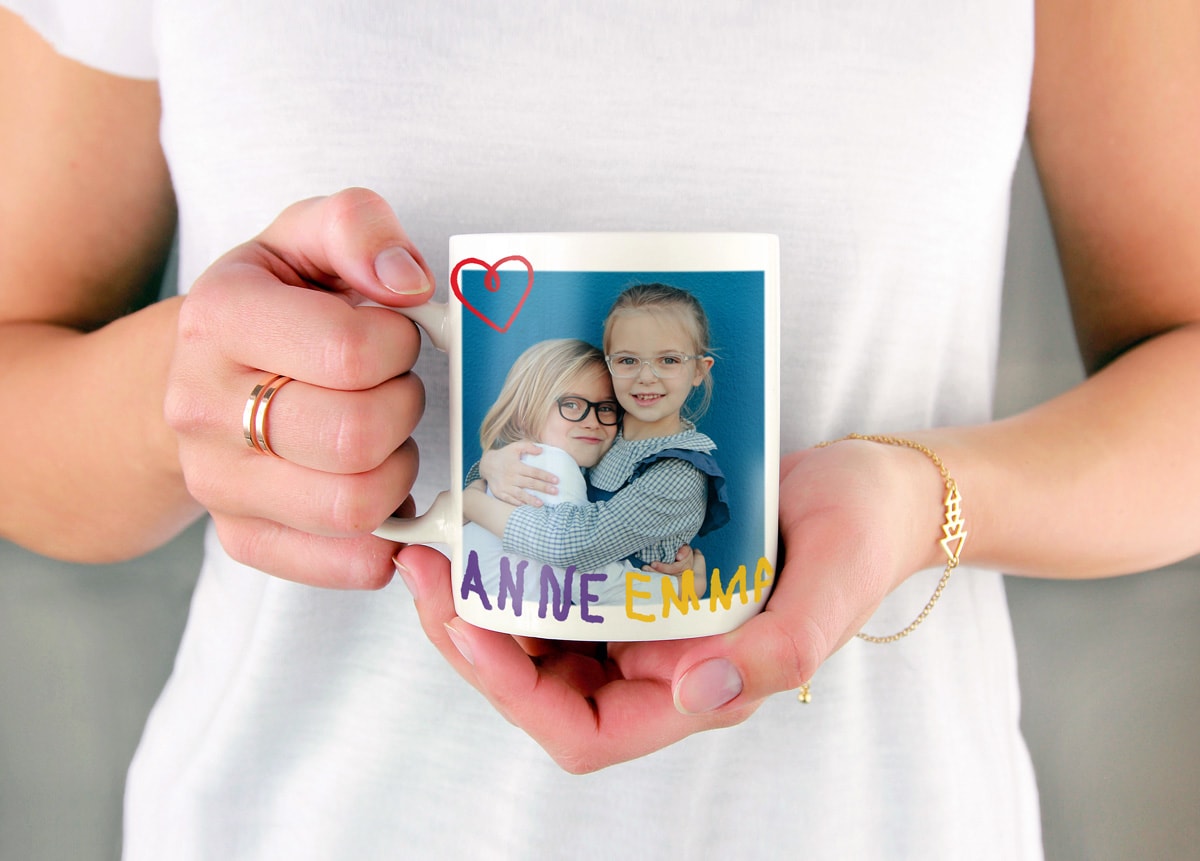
(848, 517)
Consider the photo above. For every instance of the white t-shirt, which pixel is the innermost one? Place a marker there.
(877, 140)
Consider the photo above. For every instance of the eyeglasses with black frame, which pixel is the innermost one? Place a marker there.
(666, 366)
(576, 409)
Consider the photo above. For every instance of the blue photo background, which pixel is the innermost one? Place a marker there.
(574, 305)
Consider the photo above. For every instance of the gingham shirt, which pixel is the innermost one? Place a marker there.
(651, 518)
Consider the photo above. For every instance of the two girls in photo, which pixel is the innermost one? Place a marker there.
(652, 483)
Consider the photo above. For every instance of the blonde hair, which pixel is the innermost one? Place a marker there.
(536, 380)
(663, 300)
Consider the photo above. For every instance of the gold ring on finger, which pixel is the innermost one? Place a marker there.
(255, 426)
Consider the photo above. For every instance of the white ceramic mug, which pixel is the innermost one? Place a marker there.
(546, 571)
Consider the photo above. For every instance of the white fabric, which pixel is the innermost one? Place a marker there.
(878, 141)
(114, 37)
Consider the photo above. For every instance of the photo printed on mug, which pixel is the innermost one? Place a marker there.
(617, 427)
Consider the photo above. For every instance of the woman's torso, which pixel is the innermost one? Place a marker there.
(878, 141)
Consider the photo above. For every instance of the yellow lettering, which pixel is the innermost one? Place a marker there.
(764, 575)
(685, 598)
(726, 597)
(631, 593)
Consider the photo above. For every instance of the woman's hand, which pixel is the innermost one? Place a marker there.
(855, 519)
(510, 479)
(290, 302)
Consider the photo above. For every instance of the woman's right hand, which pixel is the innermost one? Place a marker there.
(510, 479)
(290, 302)
(855, 520)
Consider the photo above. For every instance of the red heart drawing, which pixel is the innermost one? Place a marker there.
(491, 281)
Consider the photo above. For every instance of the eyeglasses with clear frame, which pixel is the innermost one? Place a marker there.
(575, 409)
(666, 366)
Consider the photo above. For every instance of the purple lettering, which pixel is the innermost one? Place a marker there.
(587, 597)
(511, 587)
(560, 602)
(473, 581)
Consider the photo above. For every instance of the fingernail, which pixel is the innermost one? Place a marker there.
(397, 271)
(460, 643)
(707, 686)
(406, 577)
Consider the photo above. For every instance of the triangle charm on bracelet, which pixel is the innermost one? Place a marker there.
(953, 528)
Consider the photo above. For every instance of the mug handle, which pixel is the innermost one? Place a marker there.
(435, 525)
(432, 317)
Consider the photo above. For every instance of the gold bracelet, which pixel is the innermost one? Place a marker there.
(954, 532)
